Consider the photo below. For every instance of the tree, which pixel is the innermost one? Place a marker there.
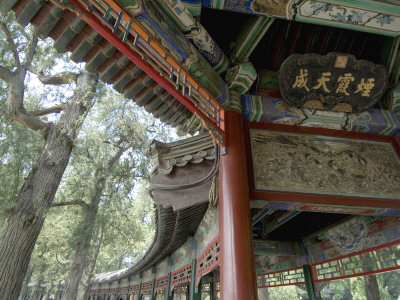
(371, 287)
(90, 211)
(35, 196)
(284, 292)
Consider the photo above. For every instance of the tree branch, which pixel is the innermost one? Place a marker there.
(117, 155)
(59, 262)
(10, 41)
(57, 79)
(31, 50)
(51, 110)
(28, 120)
(5, 74)
(77, 202)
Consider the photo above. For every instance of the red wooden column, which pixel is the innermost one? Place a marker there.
(237, 266)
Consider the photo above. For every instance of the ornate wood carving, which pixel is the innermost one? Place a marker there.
(324, 165)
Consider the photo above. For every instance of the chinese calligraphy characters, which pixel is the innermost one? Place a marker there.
(342, 83)
(333, 82)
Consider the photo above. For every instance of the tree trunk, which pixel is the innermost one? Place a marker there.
(38, 190)
(83, 290)
(50, 289)
(25, 285)
(37, 291)
(59, 291)
(371, 287)
(82, 248)
(51, 285)
(263, 294)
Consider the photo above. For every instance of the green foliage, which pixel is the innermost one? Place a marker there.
(353, 288)
(18, 149)
(125, 209)
(284, 293)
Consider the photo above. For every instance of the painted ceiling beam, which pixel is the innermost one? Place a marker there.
(195, 33)
(193, 6)
(171, 62)
(249, 37)
(158, 25)
(379, 17)
(277, 222)
(275, 110)
(323, 208)
(261, 215)
(270, 8)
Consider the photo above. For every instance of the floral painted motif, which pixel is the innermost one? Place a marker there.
(348, 236)
(363, 18)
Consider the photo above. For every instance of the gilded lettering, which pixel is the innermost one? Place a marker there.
(344, 82)
(365, 87)
(301, 80)
(322, 82)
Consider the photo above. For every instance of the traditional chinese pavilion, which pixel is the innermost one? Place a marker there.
(295, 177)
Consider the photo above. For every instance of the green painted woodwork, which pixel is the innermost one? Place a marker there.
(168, 294)
(249, 37)
(202, 70)
(153, 290)
(394, 56)
(279, 221)
(309, 283)
(392, 99)
(140, 290)
(217, 4)
(178, 13)
(223, 65)
(370, 219)
(193, 294)
(193, 8)
(273, 110)
(241, 77)
(127, 292)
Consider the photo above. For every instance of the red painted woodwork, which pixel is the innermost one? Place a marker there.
(237, 268)
(326, 263)
(208, 260)
(107, 34)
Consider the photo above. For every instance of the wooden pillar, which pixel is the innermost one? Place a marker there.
(168, 294)
(108, 291)
(128, 294)
(140, 289)
(193, 294)
(117, 294)
(153, 290)
(310, 283)
(237, 268)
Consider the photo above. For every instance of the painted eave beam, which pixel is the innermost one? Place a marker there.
(111, 36)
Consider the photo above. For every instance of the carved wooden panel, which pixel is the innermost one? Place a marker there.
(324, 165)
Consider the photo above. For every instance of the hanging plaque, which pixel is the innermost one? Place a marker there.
(335, 82)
